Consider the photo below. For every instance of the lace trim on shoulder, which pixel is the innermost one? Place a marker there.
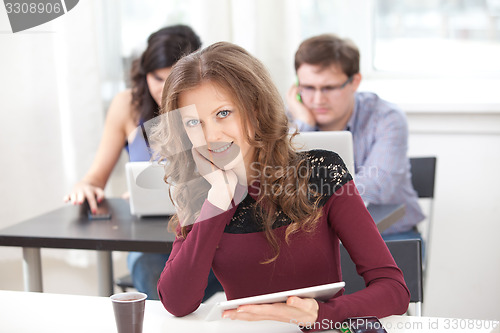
(328, 174)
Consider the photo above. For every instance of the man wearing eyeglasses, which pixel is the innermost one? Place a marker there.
(325, 98)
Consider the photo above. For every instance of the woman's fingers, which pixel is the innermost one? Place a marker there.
(89, 195)
(309, 305)
(99, 194)
(257, 312)
(72, 198)
(84, 191)
(205, 167)
(295, 310)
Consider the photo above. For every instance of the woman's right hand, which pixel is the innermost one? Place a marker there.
(85, 191)
(223, 182)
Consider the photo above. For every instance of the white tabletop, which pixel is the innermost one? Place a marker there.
(41, 312)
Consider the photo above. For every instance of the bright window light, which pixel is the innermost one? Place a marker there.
(437, 37)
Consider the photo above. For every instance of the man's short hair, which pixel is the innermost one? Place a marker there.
(327, 49)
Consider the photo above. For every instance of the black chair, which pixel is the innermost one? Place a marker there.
(423, 177)
(124, 282)
(423, 174)
(407, 255)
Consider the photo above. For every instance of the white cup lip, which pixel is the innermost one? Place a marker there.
(116, 297)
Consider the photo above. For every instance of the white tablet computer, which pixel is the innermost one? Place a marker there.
(320, 293)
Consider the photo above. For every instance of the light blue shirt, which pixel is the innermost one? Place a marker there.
(380, 137)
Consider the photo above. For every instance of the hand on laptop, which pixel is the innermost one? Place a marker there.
(85, 191)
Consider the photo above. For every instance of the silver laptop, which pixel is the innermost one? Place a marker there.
(337, 141)
(148, 191)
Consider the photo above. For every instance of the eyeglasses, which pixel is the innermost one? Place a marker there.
(329, 91)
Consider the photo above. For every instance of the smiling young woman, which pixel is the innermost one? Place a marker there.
(223, 135)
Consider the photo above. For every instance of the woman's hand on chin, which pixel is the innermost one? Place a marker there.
(222, 192)
(223, 182)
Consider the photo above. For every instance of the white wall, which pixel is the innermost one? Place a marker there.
(464, 263)
(458, 121)
(52, 115)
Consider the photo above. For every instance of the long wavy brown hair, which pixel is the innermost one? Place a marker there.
(245, 78)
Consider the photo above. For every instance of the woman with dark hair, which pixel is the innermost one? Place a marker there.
(128, 110)
(265, 217)
(149, 72)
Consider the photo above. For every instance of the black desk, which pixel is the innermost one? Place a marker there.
(68, 228)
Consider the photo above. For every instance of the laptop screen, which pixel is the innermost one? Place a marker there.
(339, 142)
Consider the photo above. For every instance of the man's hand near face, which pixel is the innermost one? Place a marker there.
(297, 109)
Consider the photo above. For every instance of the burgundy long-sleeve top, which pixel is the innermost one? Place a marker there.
(233, 244)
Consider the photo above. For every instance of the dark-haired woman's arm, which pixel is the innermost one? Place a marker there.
(119, 117)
